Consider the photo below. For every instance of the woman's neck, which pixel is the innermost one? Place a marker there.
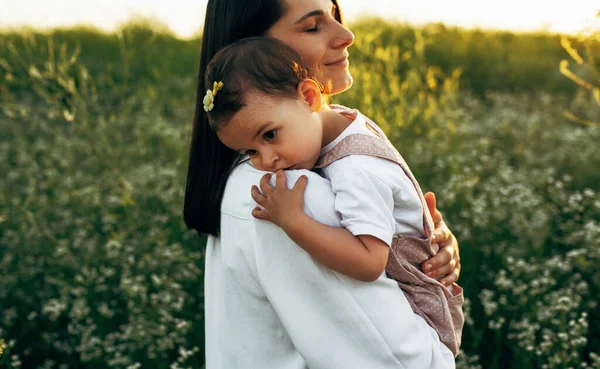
(334, 124)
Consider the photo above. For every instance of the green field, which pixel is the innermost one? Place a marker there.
(99, 271)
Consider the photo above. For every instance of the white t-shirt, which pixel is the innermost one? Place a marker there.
(373, 196)
(269, 305)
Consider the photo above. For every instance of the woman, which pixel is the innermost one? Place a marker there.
(269, 305)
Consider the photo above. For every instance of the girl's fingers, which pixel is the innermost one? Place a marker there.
(258, 213)
(265, 186)
(280, 180)
(258, 197)
(301, 184)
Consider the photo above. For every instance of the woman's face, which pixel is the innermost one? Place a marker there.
(308, 26)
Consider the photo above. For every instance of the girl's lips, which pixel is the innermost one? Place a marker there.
(297, 166)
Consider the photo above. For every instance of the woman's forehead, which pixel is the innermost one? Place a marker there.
(296, 9)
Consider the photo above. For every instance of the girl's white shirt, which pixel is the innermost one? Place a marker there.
(373, 196)
(269, 305)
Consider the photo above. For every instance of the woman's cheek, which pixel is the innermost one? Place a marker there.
(311, 60)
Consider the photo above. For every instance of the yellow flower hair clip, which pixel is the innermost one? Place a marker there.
(209, 98)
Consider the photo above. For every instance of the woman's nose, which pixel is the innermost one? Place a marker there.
(344, 37)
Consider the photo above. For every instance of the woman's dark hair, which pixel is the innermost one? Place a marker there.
(255, 64)
(211, 162)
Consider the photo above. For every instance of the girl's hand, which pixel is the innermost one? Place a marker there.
(281, 206)
(447, 261)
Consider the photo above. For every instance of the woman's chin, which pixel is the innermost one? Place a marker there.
(336, 80)
(344, 84)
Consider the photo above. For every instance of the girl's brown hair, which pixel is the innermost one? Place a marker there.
(255, 64)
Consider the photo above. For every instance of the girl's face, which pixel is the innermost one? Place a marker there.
(276, 133)
(308, 26)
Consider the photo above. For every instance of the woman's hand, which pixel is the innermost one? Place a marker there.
(447, 261)
(280, 205)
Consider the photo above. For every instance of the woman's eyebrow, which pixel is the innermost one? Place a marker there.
(310, 14)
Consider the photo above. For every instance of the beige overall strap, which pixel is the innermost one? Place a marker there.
(358, 144)
(362, 144)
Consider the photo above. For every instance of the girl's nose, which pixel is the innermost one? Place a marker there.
(270, 159)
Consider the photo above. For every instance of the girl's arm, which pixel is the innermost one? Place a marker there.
(363, 258)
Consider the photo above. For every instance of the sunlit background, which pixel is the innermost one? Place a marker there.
(184, 17)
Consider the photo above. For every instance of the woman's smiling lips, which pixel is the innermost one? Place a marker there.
(342, 62)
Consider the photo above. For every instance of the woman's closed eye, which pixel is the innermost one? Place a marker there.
(316, 27)
(313, 29)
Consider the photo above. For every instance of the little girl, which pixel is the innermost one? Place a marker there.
(265, 105)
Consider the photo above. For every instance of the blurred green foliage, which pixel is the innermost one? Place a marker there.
(98, 270)
(587, 75)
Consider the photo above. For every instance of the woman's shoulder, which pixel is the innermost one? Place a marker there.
(238, 202)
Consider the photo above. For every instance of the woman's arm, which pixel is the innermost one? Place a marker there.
(447, 260)
(363, 258)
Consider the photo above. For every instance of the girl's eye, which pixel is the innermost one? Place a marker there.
(270, 135)
(251, 152)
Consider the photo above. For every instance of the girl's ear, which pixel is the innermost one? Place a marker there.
(309, 91)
